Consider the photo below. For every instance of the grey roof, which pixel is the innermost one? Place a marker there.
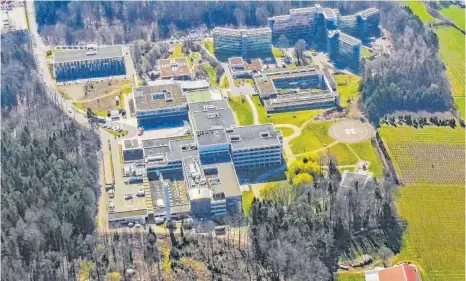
(133, 155)
(174, 150)
(131, 143)
(208, 105)
(349, 39)
(212, 137)
(227, 182)
(369, 12)
(250, 136)
(330, 80)
(81, 55)
(213, 119)
(329, 13)
(240, 32)
(349, 180)
(158, 96)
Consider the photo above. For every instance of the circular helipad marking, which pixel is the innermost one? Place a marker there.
(351, 131)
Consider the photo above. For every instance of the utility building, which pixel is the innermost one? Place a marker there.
(91, 62)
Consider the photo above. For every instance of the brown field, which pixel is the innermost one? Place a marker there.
(96, 89)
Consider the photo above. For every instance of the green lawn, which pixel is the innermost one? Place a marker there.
(178, 53)
(295, 118)
(224, 84)
(277, 52)
(313, 137)
(343, 154)
(460, 106)
(452, 53)
(242, 110)
(212, 74)
(348, 87)
(286, 132)
(350, 276)
(420, 10)
(365, 52)
(198, 96)
(209, 45)
(291, 65)
(247, 199)
(434, 239)
(455, 14)
(366, 151)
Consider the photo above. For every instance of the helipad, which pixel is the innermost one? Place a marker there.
(351, 131)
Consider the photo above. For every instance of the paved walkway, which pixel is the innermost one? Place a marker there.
(255, 115)
(296, 131)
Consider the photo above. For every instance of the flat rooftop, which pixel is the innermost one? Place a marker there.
(240, 32)
(300, 97)
(177, 195)
(222, 179)
(158, 96)
(208, 105)
(369, 12)
(213, 119)
(236, 60)
(265, 82)
(212, 137)
(172, 68)
(253, 136)
(82, 55)
(172, 150)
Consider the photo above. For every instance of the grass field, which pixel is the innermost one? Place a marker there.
(224, 84)
(212, 74)
(242, 110)
(198, 96)
(209, 45)
(286, 132)
(313, 137)
(452, 54)
(430, 155)
(348, 87)
(247, 198)
(343, 154)
(420, 10)
(366, 151)
(455, 14)
(178, 53)
(350, 276)
(365, 52)
(295, 118)
(434, 239)
(460, 106)
(277, 52)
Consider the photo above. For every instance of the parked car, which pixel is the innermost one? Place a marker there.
(140, 193)
(128, 196)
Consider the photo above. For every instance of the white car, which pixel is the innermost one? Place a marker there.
(128, 196)
(140, 193)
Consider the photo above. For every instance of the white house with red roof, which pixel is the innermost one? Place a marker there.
(399, 272)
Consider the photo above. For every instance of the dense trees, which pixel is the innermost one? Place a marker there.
(49, 175)
(299, 232)
(116, 21)
(412, 77)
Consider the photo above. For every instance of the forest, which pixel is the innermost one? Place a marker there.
(412, 77)
(49, 174)
(67, 22)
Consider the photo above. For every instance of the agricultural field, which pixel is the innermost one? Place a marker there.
(242, 110)
(366, 151)
(433, 155)
(455, 14)
(312, 137)
(294, 118)
(460, 106)
(348, 87)
(452, 53)
(420, 10)
(434, 239)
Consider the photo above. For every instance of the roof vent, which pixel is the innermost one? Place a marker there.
(212, 115)
(209, 107)
(235, 138)
(265, 135)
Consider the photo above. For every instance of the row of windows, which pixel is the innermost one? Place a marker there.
(87, 62)
(163, 110)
